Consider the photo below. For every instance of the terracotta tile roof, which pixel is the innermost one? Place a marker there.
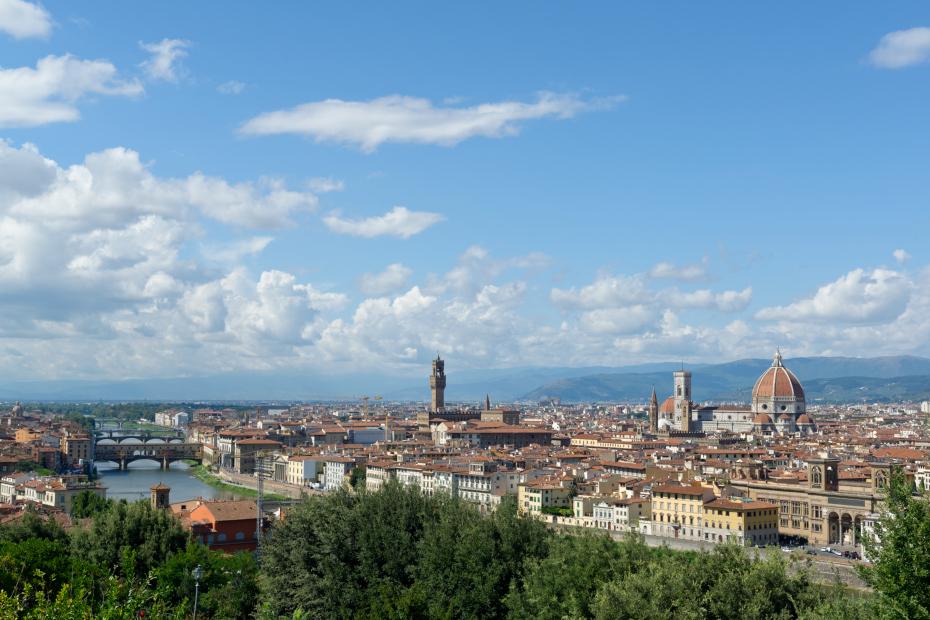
(233, 510)
(681, 490)
(726, 504)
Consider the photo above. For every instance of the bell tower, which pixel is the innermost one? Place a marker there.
(683, 399)
(823, 473)
(437, 385)
(159, 496)
(654, 412)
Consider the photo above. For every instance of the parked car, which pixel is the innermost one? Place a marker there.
(811, 552)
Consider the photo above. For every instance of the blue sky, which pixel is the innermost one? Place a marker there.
(193, 189)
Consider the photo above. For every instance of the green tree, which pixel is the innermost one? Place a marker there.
(21, 561)
(900, 552)
(563, 583)
(228, 588)
(131, 538)
(123, 600)
(87, 504)
(308, 558)
(33, 525)
(357, 478)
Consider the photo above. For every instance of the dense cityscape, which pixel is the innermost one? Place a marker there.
(481, 311)
(772, 474)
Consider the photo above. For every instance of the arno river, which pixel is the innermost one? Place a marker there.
(134, 484)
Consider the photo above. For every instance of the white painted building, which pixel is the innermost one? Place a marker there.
(337, 471)
(922, 478)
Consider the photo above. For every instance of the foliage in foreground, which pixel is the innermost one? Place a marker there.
(129, 559)
(900, 572)
(398, 554)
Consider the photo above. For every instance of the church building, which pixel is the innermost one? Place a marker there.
(778, 406)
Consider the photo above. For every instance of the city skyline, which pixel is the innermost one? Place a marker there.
(190, 192)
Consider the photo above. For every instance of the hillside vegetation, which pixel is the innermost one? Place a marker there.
(399, 554)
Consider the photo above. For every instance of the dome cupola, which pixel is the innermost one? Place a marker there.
(778, 391)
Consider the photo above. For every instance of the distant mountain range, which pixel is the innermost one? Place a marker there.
(828, 379)
(833, 379)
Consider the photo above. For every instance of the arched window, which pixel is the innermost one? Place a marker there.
(222, 537)
(240, 536)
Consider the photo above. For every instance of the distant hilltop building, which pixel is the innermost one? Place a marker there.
(778, 406)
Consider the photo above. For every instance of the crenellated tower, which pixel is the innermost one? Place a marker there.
(437, 385)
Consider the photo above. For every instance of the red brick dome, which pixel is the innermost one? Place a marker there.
(778, 383)
(667, 406)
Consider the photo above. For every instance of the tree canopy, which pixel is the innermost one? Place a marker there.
(900, 552)
(397, 553)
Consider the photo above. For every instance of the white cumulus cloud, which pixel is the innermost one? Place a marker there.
(23, 20)
(114, 185)
(398, 222)
(49, 93)
(901, 256)
(235, 251)
(860, 296)
(164, 62)
(394, 277)
(902, 48)
(396, 118)
(606, 291)
(672, 271)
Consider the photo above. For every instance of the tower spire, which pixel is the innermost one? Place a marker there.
(654, 411)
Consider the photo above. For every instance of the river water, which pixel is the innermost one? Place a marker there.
(134, 484)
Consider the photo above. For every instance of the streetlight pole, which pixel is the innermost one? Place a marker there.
(197, 573)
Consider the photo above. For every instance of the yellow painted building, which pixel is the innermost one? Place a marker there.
(745, 522)
(533, 496)
(677, 510)
(823, 511)
(27, 435)
(77, 448)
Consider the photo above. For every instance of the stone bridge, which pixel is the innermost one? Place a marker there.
(142, 436)
(163, 453)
